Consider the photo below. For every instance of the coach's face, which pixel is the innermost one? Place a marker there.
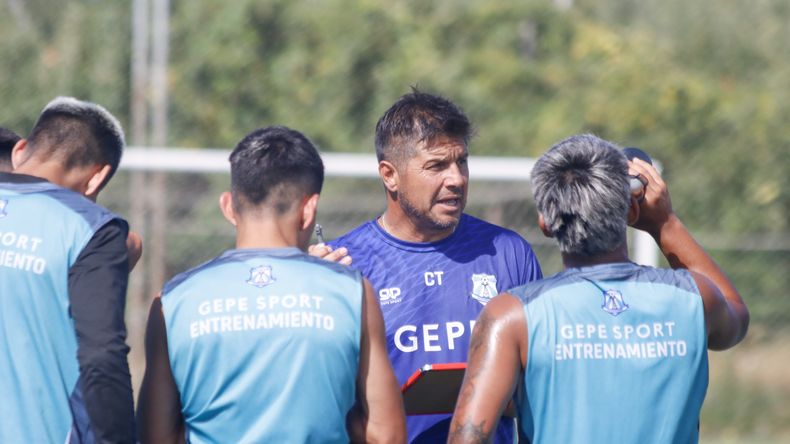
(432, 185)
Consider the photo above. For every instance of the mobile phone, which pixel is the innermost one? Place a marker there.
(635, 182)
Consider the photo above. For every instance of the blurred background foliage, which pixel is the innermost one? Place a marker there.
(704, 86)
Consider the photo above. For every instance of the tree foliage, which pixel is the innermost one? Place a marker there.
(701, 85)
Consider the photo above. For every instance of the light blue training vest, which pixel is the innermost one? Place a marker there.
(43, 230)
(264, 346)
(617, 354)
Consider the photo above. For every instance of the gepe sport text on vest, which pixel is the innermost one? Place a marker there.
(594, 341)
(17, 260)
(289, 301)
(265, 312)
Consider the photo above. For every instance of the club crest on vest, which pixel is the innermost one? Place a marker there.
(483, 287)
(261, 276)
(613, 302)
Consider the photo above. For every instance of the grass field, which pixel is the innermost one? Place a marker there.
(748, 397)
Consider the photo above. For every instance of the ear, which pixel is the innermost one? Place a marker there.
(543, 227)
(95, 182)
(633, 211)
(18, 153)
(389, 175)
(226, 206)
(309, 210)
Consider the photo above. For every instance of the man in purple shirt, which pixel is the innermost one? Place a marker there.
(433, 266)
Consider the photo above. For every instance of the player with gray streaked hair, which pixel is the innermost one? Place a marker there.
(583, 194)
(64, 268)
(605, 338)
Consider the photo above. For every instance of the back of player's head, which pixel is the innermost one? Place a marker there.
(8, 139)
(581, 189)
(78, 134)
(418, 117)
(275, 167)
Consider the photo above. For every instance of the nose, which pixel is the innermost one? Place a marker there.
(456, 176)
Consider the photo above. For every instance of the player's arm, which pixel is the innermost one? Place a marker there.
(497, 355)
(726, 315)
(159, 407)
(134, 245)
(97, 297)
(378, 415)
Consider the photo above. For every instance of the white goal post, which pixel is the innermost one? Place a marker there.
(212, 160)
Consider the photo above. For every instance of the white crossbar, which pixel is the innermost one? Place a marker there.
(212, 160)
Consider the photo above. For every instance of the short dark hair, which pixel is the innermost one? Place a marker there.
(274, 166)
(418, 117)
(8, 139)
(78, 133)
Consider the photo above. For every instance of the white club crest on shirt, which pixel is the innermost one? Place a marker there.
(613, 302)
(3, 204)
(483, 287)
(261, 276)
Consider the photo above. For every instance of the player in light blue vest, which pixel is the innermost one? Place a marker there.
(9, 140)
(434, 267)
(64, 375)
(606, 350)
(265, 343)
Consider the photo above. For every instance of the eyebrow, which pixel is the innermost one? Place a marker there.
(432, 153)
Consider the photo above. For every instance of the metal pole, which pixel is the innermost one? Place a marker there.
(159, 104)
(138, 298)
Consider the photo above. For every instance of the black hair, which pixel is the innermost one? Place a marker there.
(8, 139)
(274, 166)
(418, 117)
(79, 134)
